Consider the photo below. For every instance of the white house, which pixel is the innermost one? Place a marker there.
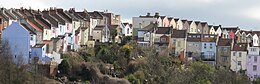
(127, 29)
(238, 57)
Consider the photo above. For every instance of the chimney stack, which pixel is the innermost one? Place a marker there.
(148, 14)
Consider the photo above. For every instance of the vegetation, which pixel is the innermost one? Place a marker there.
(120, 64)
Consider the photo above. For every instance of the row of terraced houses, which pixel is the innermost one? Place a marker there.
(48, 34)
(45, 35)
(221, 46)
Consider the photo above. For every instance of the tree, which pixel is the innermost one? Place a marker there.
(64, 68)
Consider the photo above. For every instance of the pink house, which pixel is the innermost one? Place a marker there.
(231, 35)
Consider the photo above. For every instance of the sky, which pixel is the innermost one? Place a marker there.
(242, 13)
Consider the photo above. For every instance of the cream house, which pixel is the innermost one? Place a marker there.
(238, 57)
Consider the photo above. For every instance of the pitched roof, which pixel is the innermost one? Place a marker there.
(170, 18)
(125, 24)
(17, 14)
(34, 22)
(57, 16)
(178, 33)
(2, 13)
(163, 30)
(230, 28)
(197, 22)
(49, 18)
(240, 47)
(27, 28)
(203, 24)
(210, 26)
(10, 15)
(39, 45)
(71, 16)
(96, 15)
(162, 17)
(189, 22)
(99, 27)
(176, 19)
(65, 16)
(45, 23)
(224, 42)
(149, 27)
(215, 28)
(194, 38)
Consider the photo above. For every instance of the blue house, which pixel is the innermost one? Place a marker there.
(39, 51)
(208, 49)
(20, 39)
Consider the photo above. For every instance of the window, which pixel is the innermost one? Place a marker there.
(224, 58)
(198, 36)
(239, 63)
(210, 46)
(205, 45)
(31, 37)
(224, 49)
(255, 58)
(179, 44)
(253, 49)
(254, 67)
(240, 54)
(163, 39)
(206, 36)
(234, 53)
(127, 31)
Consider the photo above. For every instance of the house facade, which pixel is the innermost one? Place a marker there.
(238, 57)
(253, 63)
(224, 47)
(178, 42)
(20, 39)
(208, 49)
(193, 46)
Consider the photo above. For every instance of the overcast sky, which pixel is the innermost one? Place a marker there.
(242, 13)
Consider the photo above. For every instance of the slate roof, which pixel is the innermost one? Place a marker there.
(96, 15)
(45, 23)
(189, 22)
(197, 22)
(99, 27)
(240, 47)
(176, 19)
(49, 18)
(149, 27)
(65, 16)
(27, 28)
(170, 18)
(57, 16)
(2, 13)
(230, 28)
(203, 24)
(17, 14)
(194, 39)
(224, 42)
(215, 28)
(71, 16)
(163, 30)
(178, 33)
(39, 45)
(210, 26)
